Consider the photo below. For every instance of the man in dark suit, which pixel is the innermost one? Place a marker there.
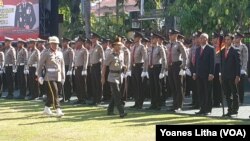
(204, 71)
(230, 75)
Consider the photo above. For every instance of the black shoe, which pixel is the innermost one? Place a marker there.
(123, 115)
(199, 113)
(132, 107)
(93, 104)
(207, 113)
(9, 97)
(227, 114)
(177, 110)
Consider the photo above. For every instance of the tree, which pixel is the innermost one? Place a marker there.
(86, 14)
(211, 15)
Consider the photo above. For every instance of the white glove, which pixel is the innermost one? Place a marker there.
(123, 76)
(243, 72)
(36, 73)
(84, 73)
(1, 72)
(74, 72)
(26, 71)
(161, 75)
(188, 72)
(62, 81)
(14, 70)
(143, 74)
(166, 73)
(128, 73)
(182, 72)
(146, 73)
(40, 80)
(69, 73)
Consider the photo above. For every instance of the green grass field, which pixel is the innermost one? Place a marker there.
(23, 121)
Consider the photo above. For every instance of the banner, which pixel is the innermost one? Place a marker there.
(19, 19)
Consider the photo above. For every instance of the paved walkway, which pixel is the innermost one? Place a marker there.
(244, 110)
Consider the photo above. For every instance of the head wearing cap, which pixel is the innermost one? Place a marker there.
(173, 31)
(238, 35)
(157, 35)
(54, 39)
(138, 34)
(118, 41)
(205, 35)
(95, 35)
(8, 39)
(21, 40)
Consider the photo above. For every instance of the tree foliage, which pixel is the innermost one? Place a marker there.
(211, 15)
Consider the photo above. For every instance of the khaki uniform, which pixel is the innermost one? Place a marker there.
(243, 62)
(157, 63)
(106, 86)
(10, 64)
(139, 64)
(80, 64)
(32, 65)
(96, 57)
(55, 74)
(22, 58)
(116, 64)
(68, 55)
(1, 69)
(177, 58)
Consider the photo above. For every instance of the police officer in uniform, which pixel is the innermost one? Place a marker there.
(25, 15)
(53, 61)
(88, 45)
(175, 52)
(68, 56)
(156, 64)
(80, 66)
(96, 59)
(1, 68)
(106, 86)
(31, 67)
(138, 69)
(243, 59)
(115, 61)
(22, 58)
(10, 65)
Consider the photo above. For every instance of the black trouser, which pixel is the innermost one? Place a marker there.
(188, 85)
(195, 95)
(205, 93)
(146, 88)
(9, 79)
(137, 84)
(241, 87)
(42, 87)
(106, 87)
(1, 84)
(232, 97)
(155, 86)
(33, 83)
(67, 85)
(175, 84)
(52, 94)
(96, 82)
(217, 96)
(116, 99)
(80, 81)
(22, 81)
(89, 88)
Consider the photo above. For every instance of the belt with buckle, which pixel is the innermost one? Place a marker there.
(8, 65)
(52, 70)
(21, 64)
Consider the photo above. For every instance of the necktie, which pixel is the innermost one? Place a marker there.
(201, 51)
(133, 56)
(226, 53)
(151, 57)
(170, 55)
